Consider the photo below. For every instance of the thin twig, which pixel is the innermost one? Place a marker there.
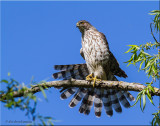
(152, 33)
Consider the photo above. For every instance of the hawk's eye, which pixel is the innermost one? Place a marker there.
(82, 22)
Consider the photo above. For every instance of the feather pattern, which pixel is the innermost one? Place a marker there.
(107, 102)
(98, 102)
(87, 102)
(77, 97)
(123, 99)
(68, 92)
(108, 98)
(115, 101)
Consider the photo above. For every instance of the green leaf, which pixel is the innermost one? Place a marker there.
(43, 122)
(150, 99)
(152, 89)
(138, 97)
(129, 49)
(146, 53)
(140, 104)
(34, 98)
(51, 123)
(148, 64)
(135, 56)
(132, 45)
(149, 96)
(128, 64)
(47, 117)
(5, 81)
(149, 71)
(43, 92)
(153, 121)
(154, 69)
(144, 101)
(141, 64)
(130, 60)
(139, 57)
(9, 104)
(155, 12)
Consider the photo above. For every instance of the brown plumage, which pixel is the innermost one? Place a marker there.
(101, 63)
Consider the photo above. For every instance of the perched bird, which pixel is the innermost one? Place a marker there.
(100, 65)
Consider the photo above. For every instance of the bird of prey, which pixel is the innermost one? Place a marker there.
(100, 65)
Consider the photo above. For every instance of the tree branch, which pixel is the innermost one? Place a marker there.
(153, 34)
(119, 85)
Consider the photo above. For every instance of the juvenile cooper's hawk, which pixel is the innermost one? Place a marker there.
(100, 64)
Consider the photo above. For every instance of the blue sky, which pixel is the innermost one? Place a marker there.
(38, 35)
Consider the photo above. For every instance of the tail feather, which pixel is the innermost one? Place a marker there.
(80, 72)
(87, 103)
(108, 97)
(115, 102)
(107, 103)
(67, 93)
(66, 74)
(77, 97)
(98, 102)
(68, 67)
(122, 99)
(128, 95)
(84, 103)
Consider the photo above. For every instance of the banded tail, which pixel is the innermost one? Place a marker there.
(109, 98)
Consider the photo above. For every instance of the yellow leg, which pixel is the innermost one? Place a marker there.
(95, 79)
(91, 78)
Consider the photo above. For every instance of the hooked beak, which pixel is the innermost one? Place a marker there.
(77, 25)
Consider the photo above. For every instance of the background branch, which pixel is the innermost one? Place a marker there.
(120, 85)
(152, 33)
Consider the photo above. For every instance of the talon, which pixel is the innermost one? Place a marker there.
(91, 78)
(95, 79)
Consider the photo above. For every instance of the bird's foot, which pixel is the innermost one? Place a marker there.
(91, 78)
(95, 79)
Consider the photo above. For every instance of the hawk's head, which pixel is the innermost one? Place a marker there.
(83, 25)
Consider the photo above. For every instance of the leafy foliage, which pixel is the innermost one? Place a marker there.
(156, 118)
(156, 19)
(142, 95)
(26, 103)
(149, 63)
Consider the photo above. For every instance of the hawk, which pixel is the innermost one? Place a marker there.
(100, 65)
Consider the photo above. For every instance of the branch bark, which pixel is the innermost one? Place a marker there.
(119, 85)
